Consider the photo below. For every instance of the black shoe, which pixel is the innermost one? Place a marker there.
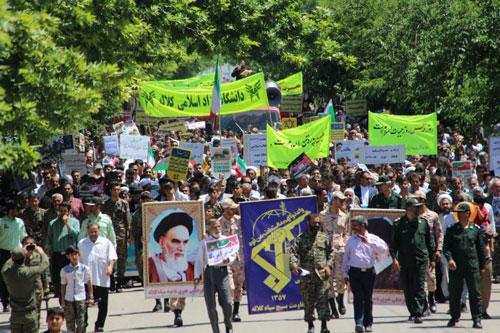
(333, 307)
(119, 288)
(433, 308)
(427, 313)
(325, 330)
(229, 330)
(485, 315)
(452, 323)
(6, 308)
(411, 318)
(99, 329)
(310, 330)
(418, 320)
(340, 302)
(236, 318)
(166, 305)
(477, 324)
(368, 329)
(463, 308)
(157, 306)
(359, 329)
(178, 319)
(496, 280)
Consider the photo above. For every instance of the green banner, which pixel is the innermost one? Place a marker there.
(284, 146)
(292, 85)
(202, 81)
(417, 133)
(159, 100)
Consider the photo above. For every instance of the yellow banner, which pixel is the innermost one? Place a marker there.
(292, 85)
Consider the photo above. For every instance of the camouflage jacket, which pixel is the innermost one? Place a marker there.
(312, 252)
(120, 216)
(34, 224)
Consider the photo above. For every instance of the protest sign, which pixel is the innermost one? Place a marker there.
(197, 150)
(160, 100)
(494, 155)
(196, 125)
(185, 136)
(75, 162)
(270, 228)
(111, 145)
(356, 107)
(221, 248)
(221, 161)
(68, 142)
(161, 275)
(130, 129)
(289, 122)
(178, 163)
(255, 149)
(462, 169)
(417, 133)
(382, 154)
(134, 147)
(387, 288)
(291, 85)
(291, 104)
(142, 118)
(231, 143)
(173, 126)
(284, 146)
(301, 165)
(350, 150)
(337, 132)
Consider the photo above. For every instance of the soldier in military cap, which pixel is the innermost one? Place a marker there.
(312, 257)
(464, 250)
(386, 197)
(33, 219)
(413, 250)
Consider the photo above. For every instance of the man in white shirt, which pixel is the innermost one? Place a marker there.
(99, 254)
(358, 270)
(215, 280)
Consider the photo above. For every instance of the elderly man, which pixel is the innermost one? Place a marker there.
(231, 225)
(334, 223)
(98, 253)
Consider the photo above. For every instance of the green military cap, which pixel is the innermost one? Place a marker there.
(412, 202)
(383, 180)
(463, 207)
(18, 253)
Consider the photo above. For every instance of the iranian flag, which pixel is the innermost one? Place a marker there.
(329, 110)
(161, 165)
(241, 167)
(216, 95)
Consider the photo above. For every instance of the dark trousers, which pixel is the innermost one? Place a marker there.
(456, 285)
(216, 280)
(4, 293)
(413, 281)
(59, 260)
(362, 289)
(101, 297)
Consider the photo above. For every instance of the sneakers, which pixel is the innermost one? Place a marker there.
(418, 320)
(359, 329)
(411, 318)
(477, 324)
(368, 329)
(236, 318)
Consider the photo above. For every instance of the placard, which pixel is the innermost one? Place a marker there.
(289, 122)
(173, 126)
(168, 274)
(350, 150)
(301, 165)
(356, 107)
(178, 163)
(134, 147)
(462, 169)
(291, 103)
(75, 162)
(196, 125)
(231, 143)
(142, 118)
(494, 155)
(337, 132)
(255, 149)
(185, 136)
(111, 145)
(197, 150)
(382, 154)
(221, 248)
(221, 161)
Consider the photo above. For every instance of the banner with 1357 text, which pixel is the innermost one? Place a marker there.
(269, 230)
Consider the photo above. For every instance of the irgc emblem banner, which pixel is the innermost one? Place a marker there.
(269, 231)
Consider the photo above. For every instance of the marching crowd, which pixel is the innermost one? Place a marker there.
(80, 226)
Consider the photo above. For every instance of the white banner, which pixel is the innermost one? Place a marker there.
(111, 145)
(196, 125)
(197, 150)
(230, 142)
(75, 162)
(494, 155)
(382, 154)
(219, 249)
(255, 149)
(134, 147)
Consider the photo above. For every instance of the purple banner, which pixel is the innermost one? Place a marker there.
(269, 231)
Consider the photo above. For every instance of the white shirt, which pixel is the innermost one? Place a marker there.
(97, 257)
(365, 195)
(75, 278)
(202, 258)
(447, 221)
(362, 255)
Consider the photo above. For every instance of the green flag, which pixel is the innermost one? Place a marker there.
(417, 133)
(284, 146)
(216, 97)
(291, 85)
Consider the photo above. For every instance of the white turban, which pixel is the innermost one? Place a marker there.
(444, 196)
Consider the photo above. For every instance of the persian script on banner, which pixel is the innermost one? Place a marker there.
(270, 228)
(255, 149)
(221, 248)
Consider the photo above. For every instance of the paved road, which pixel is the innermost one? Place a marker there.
(130, 312)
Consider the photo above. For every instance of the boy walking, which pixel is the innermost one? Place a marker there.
(74, 276)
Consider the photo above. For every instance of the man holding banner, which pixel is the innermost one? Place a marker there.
(312, 258)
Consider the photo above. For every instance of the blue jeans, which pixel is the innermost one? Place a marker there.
(362, 288)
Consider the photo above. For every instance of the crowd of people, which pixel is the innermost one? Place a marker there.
(83, 224)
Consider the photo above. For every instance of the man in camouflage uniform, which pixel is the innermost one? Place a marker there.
(313, 251)
(437, 235)
(33, 219)
(118, 210)
(136, 233)
(231, 225)
(335, 223)
(34, 259)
